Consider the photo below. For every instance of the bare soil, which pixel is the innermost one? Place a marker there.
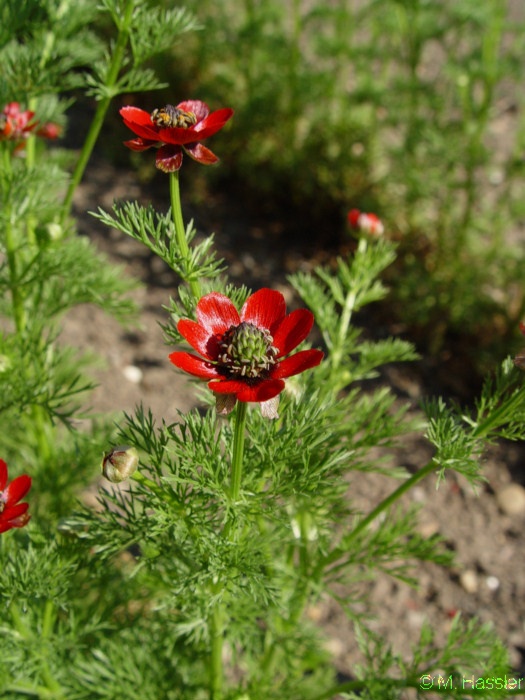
(485, 530)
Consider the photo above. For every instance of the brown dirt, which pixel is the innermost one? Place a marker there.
(488, 580)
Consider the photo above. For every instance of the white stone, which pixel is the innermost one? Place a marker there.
(133, 374)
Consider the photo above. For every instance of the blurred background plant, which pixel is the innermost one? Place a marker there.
(408, 108)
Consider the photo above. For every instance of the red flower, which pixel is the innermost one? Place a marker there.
(172, 129)
(17, 126)
(12, 513)
(243, 355)
(14, 124)
(366, 223)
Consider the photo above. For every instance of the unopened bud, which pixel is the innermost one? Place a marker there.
(120, 463)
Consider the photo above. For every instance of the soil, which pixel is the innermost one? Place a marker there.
(485, 530)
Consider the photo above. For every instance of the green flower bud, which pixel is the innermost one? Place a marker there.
(120, 463)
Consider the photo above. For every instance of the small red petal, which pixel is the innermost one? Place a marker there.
(194, 365)
(522, 327)
(196, 107)
(13, 512)
(263, 391)
(169, 158)
(353, 217)
(293, 330)
(301, 361)
(17, 517)
(264, 309)
(140, 123)
(50, 130)
(217, 313)
(3, 474)
(139, 144)
(201, 154)
(16, 490)
(213, 123)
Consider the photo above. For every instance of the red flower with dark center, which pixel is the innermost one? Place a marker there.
(366, 223)
(12, 513)
(174, 129)
(243, 354)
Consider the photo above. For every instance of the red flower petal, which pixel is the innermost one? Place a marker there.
(263, 391)
(3, 474)
(199, 338)
(16, 490)
(139, 144)
(198, 108)
(293, 330)
(213, 123)
(301, 361)
(353, 217)
(14, 511)
(264, 309)
(139, 121)
(201, 154)
(169, 158)
(14, 517)
(194, 365)
(216, 312)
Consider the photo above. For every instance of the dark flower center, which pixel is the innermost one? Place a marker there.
(246, 352)
(170, 116)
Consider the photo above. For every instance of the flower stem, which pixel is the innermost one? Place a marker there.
(217, 636)
(180, 232)
(338, 552)
(216, 619)
(11, 251)
(98, 120)
(238, 450)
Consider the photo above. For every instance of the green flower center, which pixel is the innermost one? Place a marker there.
(246, 352)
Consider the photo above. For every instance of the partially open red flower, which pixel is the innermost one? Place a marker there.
(17, 126)
(366, 223)
(243, 354)
(174, 129)
(12, 513)
(14, 124)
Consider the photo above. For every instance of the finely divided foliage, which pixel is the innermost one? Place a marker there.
(197, 570)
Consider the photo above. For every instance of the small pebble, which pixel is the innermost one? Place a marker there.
(511, 499)
(492, 583)
(133, 374)
(469, 581)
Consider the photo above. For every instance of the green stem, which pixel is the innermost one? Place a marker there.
(346, 317)
(11, 251)
(216, 619)
(98, 120)
(338, 552)
(238, 450)
(497, 417)
(180, 232)
(217, 637)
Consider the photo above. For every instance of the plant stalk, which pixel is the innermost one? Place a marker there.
(102, 108)
(180, 231)
(216, 619)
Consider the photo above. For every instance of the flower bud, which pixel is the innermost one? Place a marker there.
(120, 463)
